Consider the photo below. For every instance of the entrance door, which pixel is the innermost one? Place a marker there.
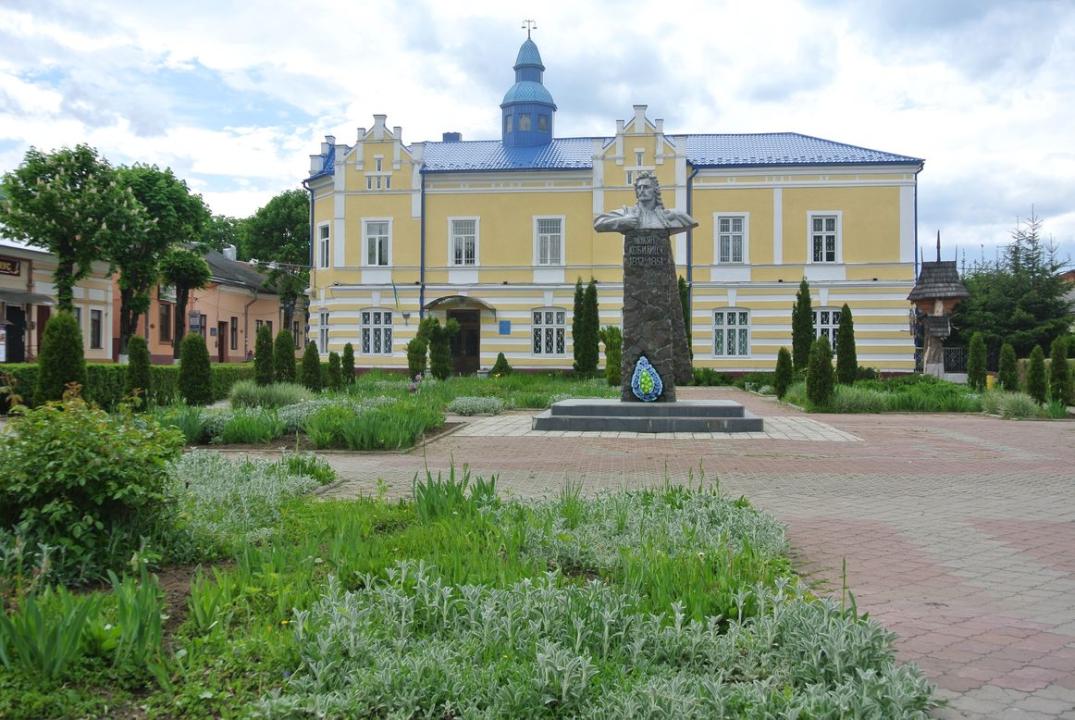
(16, 334)
(221, 335)
(466, 344)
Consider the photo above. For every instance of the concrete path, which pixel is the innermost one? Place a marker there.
(958, 531)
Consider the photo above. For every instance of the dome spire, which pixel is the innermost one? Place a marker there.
(527, 109)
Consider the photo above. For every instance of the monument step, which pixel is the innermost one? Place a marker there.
(618, 408)
(653, 424)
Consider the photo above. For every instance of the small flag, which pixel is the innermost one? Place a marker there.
(395, 294)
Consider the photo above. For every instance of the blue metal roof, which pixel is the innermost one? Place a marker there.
(477, 155)
(527, 91)
(528, 55)
(780, 149)
(327, 164)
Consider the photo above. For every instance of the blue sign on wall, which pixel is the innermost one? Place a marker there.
(505, 327)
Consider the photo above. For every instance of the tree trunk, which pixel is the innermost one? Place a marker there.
(181, 296)
(128, 319)
(65, 270)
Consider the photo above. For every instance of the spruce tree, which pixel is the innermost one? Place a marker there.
(578, 325)
(1059, 372)
(417, 349)
(612, 336)
(311, 368)
(847, 363)
(283, 357)
(1008, 374)
(138, 370)
(1035, 375)
(802, 327)
(819, 375)
(500, 367)
(263, 360)
(60, 360)
(348, 368)
(590, 354)
(440, 347)
(335, 372)
(685, 302)
(976, 362)
(195, 376)
(783, 373)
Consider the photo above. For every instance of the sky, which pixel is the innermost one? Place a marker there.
(234, 96)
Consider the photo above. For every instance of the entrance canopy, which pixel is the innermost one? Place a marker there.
(459, 302)
(21, 297)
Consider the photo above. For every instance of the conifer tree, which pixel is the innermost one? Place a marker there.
(1035, 375)
(847, 363)
(417, 350)
(578, 325)
(195, 376)
(440, 347)
(589, 355)
(335, 372)
(1008, 374)
(1059, 372)
(783, 373)
(263, 360)
(311, 368)
(819, 375)
(976, 362)
(283, 357)
(60, 360)
(612, 337)
(138, 370)
(802, 327)
(348, 368)
(501, 366)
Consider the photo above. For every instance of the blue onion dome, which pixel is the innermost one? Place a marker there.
(528, 56)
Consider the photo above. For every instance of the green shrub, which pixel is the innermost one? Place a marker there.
(60, 360)
(440, 350)
(465, 405)
(334, 376)
(224, 375)
(819, 375)
(783, 374)
(1012, 405)
(846, 357)
(86, 482)
(138, 381)
(186, 419)
(348, 368)
(866, 373)
(251, 426)
(248, 394)
(387, 427)
(1035, 375)
(500, 367)
(612, 337)
(802, 327)
(416, 357)
(755, 380)
(311, 368)
(43, 635)
(1059, 373)
(1007, 374)
(283, 357)
(976, 362)
(195, 382)
(709, 377)
(584, 334)
(263, 359)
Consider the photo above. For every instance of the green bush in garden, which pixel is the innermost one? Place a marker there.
(819, 375)
(311, 368)
(500, 367)
(1035, 375)
(246, 393)
(802, 326)
(348, 361)
(846, 357)
(60, 360)
(784, 373)
(976, 362)
(612, 337)
(440, 348)
(195, 380)
(464, 405)
(284, 357)
(334, 377)
(263, 356)
(1059, 373)
(1008, 374)
(138, 380)
(416, 356)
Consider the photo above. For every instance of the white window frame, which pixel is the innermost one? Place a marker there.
(839, 250)
(366, 238)
(833, 324)
(451, 241)
(745, 251)
(554, 332)
(722, 331)
(370, 332)
(322, 331)
(324, 232)
(537, 240)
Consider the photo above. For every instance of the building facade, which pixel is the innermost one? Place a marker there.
(494, 233)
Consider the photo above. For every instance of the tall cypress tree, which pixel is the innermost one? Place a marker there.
(819, 380)
(1008, 375)
(1035, 375)
(263, 361)
(802, 326)
(138, 370)
(60, 360)
(578, 325)
(590, 355)
(311, 368)
(348, 360)
(283, 357)
(1059, 372)
(976, 362)
(847, 362)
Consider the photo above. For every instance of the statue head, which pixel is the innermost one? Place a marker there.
(647, 189)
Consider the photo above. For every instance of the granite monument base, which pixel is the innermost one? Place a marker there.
(724, 416)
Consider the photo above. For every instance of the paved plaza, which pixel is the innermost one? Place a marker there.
(958, 531)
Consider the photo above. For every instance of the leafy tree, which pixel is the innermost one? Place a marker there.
(501, 366)
(138, 369)
(685, 301)
(783, 375)
(1035, 374)
(195, 378)
(976, 362)
(335, 373)
(1059, 372)
(819, 375)
(278, 235)
(69, 203)
(588, 353)
(185, 271)
(60, 360)
(802, 326)
(263, 356)
(1008, 375)
(311, 367)
(176, 216)
(1018, 299)
(847, 363)
(348, 368)
(578, 325)
(283, 356)
(220, 231)
(612, 337)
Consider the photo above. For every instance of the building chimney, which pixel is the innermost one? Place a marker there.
(452, 137)
(330, 140)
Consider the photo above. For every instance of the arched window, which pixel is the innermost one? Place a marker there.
(731, 332)
(524, 122)
(376, 332)
(547, 330)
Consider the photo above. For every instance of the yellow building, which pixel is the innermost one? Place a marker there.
(494, 233)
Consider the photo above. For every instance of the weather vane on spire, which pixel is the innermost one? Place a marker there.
(529, 25)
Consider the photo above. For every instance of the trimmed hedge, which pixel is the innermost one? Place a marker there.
(107, 384)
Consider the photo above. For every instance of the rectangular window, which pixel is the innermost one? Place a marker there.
(387, 182)
(824, 238)
(550, 241)
(548, 331)
(165, 322)
(369, 182)
(378, 236)
(322, 231)
(731, 333)
(376, 332)
(630, 177)
(377, 164)
(826, 323)
(731, 238)
(95, 329)
(234, 328)
(638, 157)
(323, 332)
(464, 234)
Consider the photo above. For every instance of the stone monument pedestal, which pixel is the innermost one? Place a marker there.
(595, 415)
